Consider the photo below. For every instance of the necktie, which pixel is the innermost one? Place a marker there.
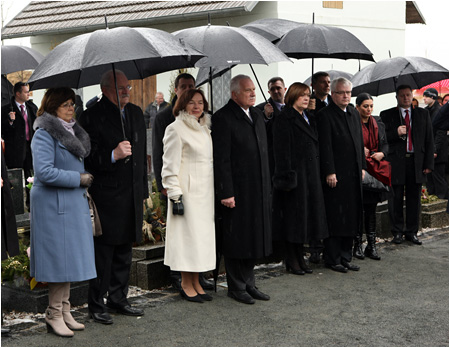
(25, 117)
(408, 129)
(305, 117)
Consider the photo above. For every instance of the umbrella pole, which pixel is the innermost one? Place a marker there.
(210, 89)
(9, 94)
(256, 77)
(118, 102)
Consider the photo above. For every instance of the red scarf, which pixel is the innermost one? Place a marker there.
(379, 170)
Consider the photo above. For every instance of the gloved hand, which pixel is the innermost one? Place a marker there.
(86, 179)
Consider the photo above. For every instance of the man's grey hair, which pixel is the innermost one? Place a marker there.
(159, 93)
(107, 79)
(235, 83)
(340, 81)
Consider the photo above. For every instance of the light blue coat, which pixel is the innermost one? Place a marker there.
(62, 247)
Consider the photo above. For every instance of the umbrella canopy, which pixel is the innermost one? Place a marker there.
(7, 91)
(226, 46)
(271, 28)
(384, 77)
(138, 52)
(440, 86)
(320, 41)
(17, 58)
(334, 74)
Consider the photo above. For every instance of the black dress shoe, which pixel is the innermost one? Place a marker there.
(205, 297)
(197, 298)
(126, 309)
(337, 268)
(398, 239)
(205, 283)
(102, 318)
(350, 266)
(315, 257)
(241, 296)
(413, 239)
(296, 271)
(256, 294)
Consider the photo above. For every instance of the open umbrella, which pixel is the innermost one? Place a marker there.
(226, 46)
(384, 76)
(16, 58)
(138, 52)
(440, 86)
(334, 74)
(271, 28)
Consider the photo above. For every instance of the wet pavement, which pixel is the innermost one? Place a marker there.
(402, 300)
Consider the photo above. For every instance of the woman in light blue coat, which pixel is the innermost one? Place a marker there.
(62, 248)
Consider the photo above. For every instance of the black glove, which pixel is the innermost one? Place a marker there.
(86, 179)
(178, 207)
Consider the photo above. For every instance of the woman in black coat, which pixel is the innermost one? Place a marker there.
(375, 150)
(299, 209)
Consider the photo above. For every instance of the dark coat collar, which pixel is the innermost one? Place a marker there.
(300, 122)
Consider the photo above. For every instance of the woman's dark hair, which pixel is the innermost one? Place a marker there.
(294, 92)
(53, 99)
(185, 98)
(362, 97)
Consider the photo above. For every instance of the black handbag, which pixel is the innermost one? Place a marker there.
(370, 183)
(177, 206)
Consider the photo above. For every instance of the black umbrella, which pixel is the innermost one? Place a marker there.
(271, 28)
(138, 52)
(17, 58)
(7, 89)
(386, 75)
(334, 74)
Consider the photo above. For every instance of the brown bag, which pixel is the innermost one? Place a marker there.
(96, 225)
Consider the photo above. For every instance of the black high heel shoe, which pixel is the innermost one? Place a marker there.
(296, 271)
(197, 298)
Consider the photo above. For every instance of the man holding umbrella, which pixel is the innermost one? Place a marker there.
(242, 182)
(120, 186)
(17, 131)
(411, 152)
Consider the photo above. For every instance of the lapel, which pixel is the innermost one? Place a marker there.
(276, 112)
(240, 114)
(111, 114)
(300, 122)
(416, 127)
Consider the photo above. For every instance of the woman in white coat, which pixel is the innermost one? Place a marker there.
(188, 173)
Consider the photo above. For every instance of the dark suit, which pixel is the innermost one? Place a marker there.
(269, 126)
(407, 170)
(17, 147)
(241, 170)
(118, 191)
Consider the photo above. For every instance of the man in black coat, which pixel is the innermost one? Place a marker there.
(242, 183)
(271, 110)
(17, 131)
(411, 150)
(320, 98)
(342, 165)
(120, 186)
(440, 134)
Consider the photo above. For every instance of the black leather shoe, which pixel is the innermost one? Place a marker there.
(337, 268)
(205, 283)
(256, 294)
(102, 318)
(398, 239)
(126, 309)
(241, 296)
(413, 239)
(197, 298)
(205, 297)
(350, 266)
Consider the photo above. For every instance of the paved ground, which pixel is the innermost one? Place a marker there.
(402, 300)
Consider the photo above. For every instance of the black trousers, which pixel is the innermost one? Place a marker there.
(411, 190)
(113, 263)
(240, 273)
(27, 170)
(338, 249)
(437, 181)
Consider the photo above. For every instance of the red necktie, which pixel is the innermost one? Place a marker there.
(25, 117)
(408, 129)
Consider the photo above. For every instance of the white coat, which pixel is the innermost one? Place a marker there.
(188, 171)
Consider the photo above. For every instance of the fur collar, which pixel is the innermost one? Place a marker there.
(79, 145)
(191, 121)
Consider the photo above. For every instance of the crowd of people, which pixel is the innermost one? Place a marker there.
(299, 170)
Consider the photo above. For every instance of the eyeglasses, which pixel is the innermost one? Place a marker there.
(68, 105)
(344, 92)
(123, 89)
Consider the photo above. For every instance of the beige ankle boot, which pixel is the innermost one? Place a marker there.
(53, 313)
(67, 316)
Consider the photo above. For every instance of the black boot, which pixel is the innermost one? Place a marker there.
(357, 247)
(301, 260)
(371, 250)
(292, 264)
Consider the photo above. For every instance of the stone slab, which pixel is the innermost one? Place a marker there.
(149, 251)
(152, 274)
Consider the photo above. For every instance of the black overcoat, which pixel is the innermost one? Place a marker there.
(241, 170)
(118, 188)
(423, 143)
(298, 204)
(14, 135)
(341, 153)
(10, 239)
